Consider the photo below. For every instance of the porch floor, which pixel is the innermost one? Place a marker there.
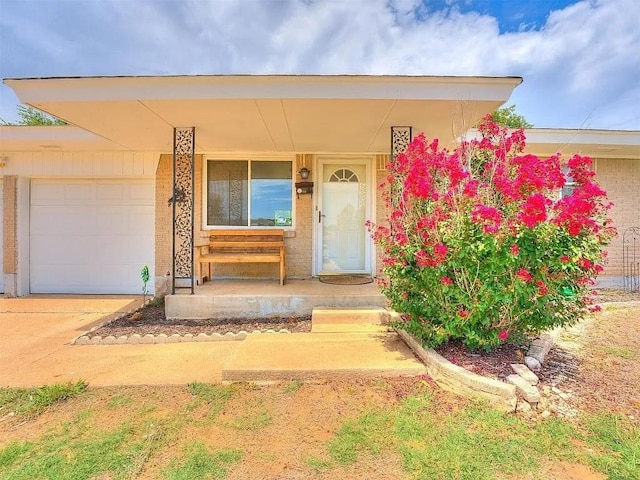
(248, 298)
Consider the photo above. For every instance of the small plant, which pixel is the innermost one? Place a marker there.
(293, 387)
(144, 275)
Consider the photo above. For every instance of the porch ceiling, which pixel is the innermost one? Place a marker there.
(243, 113)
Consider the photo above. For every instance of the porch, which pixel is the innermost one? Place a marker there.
(249, 298)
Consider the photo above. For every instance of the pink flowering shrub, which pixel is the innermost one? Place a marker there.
(480, 247)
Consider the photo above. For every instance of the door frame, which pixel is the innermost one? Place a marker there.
(370, 209)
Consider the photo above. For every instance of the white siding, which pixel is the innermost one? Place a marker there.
(81, 164)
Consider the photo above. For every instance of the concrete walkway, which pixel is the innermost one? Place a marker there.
(35, 349)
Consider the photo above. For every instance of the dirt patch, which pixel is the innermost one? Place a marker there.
(151, 320)
(277, 427)
(606, 348)
(495, 364)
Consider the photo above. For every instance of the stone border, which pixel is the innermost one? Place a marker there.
(137, 339)
(457, 380)
(521, 393)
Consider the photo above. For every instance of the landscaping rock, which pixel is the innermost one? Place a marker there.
(540, 347)
(529, 392)
(83, 340)
(525, 373)
(523, 407)
(460, 381)
(532, 363)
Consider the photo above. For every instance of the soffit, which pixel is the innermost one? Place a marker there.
(55, 138)
(592, 143)
(267, 113)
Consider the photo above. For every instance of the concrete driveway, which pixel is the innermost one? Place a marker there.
(35, 346)
(36, 334)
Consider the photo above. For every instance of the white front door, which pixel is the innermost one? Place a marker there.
(344, 205)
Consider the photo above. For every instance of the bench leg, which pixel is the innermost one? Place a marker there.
(282, 272)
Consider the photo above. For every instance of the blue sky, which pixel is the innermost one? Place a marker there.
(580, 59)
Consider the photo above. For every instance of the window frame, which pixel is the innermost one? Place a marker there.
(569, 182)
(249, 159)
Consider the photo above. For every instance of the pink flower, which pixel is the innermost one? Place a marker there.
(446, 281)
(422, 259)
(463, 313)
(489, 217)
(565, 259)
(542, 288)
(534, 210)
(503, 335)
(440, 249)
(515, 250)
(524, 275)
(585, 263)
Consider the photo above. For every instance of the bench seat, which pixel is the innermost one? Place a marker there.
(242, 246)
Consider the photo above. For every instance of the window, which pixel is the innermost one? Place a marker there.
(249, 193)
(569, 183)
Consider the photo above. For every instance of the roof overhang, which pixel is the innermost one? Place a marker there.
(271, 113)
(593, 143)
(60, 138)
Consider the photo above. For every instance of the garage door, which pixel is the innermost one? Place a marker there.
(91, 236)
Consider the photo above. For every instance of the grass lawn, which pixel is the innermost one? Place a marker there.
(401, 428)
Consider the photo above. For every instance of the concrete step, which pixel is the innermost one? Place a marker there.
(306, 356)
(356, 315)
(348, 328)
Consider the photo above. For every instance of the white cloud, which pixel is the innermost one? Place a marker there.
(580, 69)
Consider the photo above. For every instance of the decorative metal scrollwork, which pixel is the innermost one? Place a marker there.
(631, 259)
(183, 205)
(400, 139)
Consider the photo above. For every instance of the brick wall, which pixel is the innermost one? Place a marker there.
(164, 240)
(621, 179)
(10, 233)
(298, 242)
(381, 162)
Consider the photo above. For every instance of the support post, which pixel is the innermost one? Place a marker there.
(400, 139)
(183, 200)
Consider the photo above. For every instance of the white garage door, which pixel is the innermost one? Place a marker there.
(91, 236)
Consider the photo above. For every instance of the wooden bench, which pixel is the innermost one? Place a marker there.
(242, 246)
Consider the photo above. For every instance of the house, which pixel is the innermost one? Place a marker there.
(616, 160)
(85, 206)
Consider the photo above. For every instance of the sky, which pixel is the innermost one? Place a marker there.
(580, 60)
